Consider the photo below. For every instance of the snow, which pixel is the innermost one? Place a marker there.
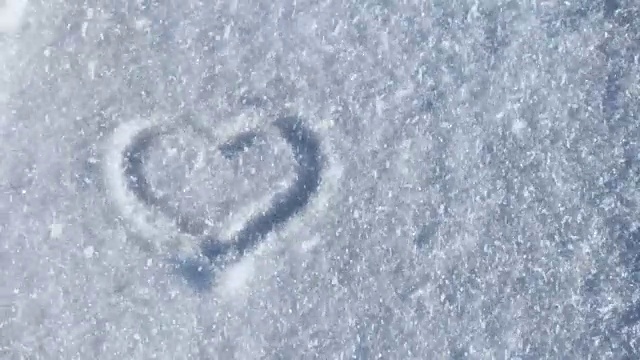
(56, 230)
(142, 219)
(11, 14)
(303, 179)
(88, 252)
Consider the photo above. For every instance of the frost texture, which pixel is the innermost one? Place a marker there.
(479, 194)
(11, 13)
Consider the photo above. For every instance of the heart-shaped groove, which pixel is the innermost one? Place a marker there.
(306, 151)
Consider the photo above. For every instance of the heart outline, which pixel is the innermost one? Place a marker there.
(131, 140)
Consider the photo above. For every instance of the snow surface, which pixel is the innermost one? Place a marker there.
(11, 13)
(462, 184)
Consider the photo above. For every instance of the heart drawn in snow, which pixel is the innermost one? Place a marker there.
(222, 189)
